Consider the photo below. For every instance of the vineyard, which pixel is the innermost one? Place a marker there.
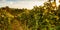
(45, 17)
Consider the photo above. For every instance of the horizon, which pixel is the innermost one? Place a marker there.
(23, 3)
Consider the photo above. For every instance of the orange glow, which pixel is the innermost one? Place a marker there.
(53, 5)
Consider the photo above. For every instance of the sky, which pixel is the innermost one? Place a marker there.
(21, 3)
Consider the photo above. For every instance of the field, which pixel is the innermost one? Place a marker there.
(45, 17)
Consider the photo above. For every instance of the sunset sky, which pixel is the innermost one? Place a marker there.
(21, 3)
